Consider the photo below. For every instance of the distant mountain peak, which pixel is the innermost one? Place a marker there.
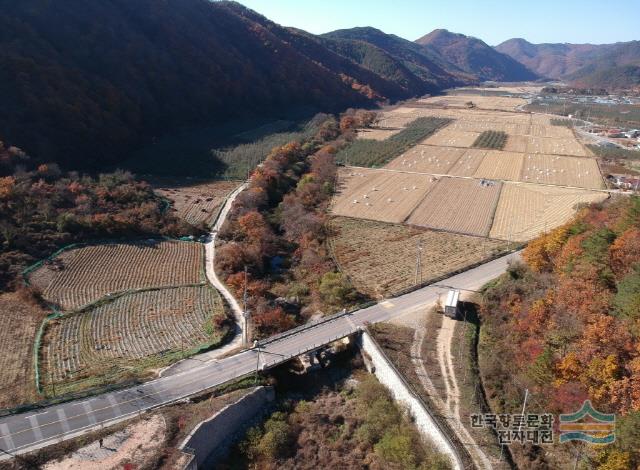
(475, 56)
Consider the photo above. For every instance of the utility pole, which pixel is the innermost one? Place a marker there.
(418, 277)
(524, 406)
(245, 312)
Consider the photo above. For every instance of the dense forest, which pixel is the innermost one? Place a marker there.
(84, 82)
(568, 319)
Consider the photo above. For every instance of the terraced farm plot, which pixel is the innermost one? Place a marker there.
(458, 205)
(83, 275)
(129, 334)
(20, 322)
(561, 170)
(451, 138)
(380, 258)
(196, 203)
(468, 163)
(500, 166)
(527, 210)
(427, 159)
(553, 146)
(383, 195)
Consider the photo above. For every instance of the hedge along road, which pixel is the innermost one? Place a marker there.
(24, 432)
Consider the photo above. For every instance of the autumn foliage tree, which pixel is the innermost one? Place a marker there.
(569, 320)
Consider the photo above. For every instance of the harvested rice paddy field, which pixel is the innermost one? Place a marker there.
(20, 321)
(427, 159)
(526, 210)
(481, 102)
(124, 336)
(83, 275)
(500, 165)
(383, 195)
(380, 258)
(562, 171)
(561, 146)
(452, 138)
(458, 205)
(195, 202)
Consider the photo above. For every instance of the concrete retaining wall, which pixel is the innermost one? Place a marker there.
(388, 375)
(211, 439)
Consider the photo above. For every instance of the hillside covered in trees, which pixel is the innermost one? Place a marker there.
(86, 82)
(608, 66)
(568, 320)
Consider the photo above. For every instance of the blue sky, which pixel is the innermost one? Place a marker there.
(490, 20)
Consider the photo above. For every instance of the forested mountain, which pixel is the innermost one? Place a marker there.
(424, 64)
(475, 56)
(84, 82)
(604, 65)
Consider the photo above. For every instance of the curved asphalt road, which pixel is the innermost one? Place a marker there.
(29, 431)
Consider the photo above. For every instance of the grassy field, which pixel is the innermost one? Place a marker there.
(364, 152)
(21, 319)
(125, 337)
(196, 202)
(458, 205)
(380, 258)
(83, 275)
(491, 140)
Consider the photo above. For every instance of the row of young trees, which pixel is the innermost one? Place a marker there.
(568, 319)
(42, 208)
(276, 229)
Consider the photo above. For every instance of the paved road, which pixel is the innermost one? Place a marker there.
(30, 431)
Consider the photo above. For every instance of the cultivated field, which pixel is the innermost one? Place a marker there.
(468, 163)
(83, 275)
(481, 102)
(196, 203)
(20, 321)
(383, 195)
(562, 146)
(564, 171)
(377, 133)
(458, 205)
(380, 258)
(452, 138)
(526, 210)
(427, 159)
(500, 165)
(128, 334)
(516, 143)
(491, 140)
